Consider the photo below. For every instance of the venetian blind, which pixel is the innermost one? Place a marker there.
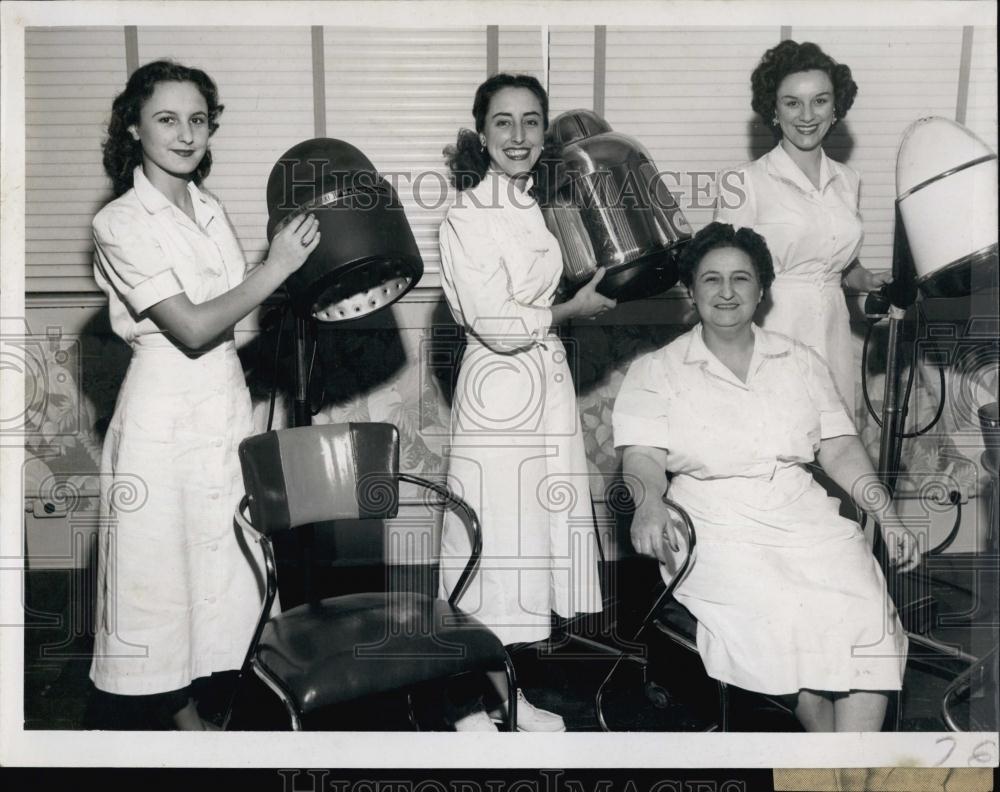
(902, 74)
(981, 112)
(684, 93)
(71, 76)
(264, 76)
(400, 95)
(571, 69)
(520, 52)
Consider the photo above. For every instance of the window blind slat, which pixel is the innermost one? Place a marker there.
(264, 76)
(981, 111)
(571, 69)
(902, 74)
(685, 95)
(521, 52)
(71, 76)
(400, 95)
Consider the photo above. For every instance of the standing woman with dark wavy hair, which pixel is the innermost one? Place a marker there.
(517, 452)
(178, 594)
(804, 204)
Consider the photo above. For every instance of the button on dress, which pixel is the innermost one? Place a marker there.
(517, 453)
(813, 234)
(179, 592)
(786, 592)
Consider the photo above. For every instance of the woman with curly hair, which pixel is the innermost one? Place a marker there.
(789, 600)
(804, 204)
(177, 594)
(516, 451)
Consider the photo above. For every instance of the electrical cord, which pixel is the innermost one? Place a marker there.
(909, 382)
(277, 357)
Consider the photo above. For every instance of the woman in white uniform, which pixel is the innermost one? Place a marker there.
(789, 599)
(517, 453)
(178, 594)
(804, 204)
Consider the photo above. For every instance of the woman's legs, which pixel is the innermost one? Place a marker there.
(815, 711)
(859, 710)
(182, 710)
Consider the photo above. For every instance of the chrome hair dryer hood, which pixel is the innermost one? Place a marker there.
(367, 257)
(606, 203)
(946, 188)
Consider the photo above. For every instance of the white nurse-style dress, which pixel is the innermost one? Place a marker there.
(178, 592)
(814, 234)
(517, 453)
(786, 592)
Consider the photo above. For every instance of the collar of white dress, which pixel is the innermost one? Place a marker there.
(153, 200)
(766, 345)
(782, 166)
(506, 187)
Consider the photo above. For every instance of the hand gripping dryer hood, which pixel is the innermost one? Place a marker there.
(608, 206)
(367, 257)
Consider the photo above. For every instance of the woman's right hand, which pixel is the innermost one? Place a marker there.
(653, 533)
(292, 245)
(588, 303)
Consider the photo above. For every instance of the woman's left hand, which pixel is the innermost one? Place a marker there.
(875, 280)
(901, 544)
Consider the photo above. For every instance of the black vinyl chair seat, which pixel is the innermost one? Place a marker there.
(349, 647)
(676, 620)
(345, 648)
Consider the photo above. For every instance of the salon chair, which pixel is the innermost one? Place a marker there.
(350, 647)
(671, 619)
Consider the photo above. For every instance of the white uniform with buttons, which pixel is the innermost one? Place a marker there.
(517, 452)
(786, 592)
(177, 596)
(813, 235)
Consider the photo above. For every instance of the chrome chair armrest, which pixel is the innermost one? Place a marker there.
(241, 520)
(961, 682)
(456, 504)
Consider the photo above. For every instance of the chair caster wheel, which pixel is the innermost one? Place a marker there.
(657, 695)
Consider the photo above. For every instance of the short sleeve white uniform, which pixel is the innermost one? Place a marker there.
(178, 592)
(813, 234)
(786, 591)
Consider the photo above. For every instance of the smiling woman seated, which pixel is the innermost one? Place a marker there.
(789, 599)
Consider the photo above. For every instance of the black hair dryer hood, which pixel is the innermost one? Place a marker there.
(367, 257)
(608, 206)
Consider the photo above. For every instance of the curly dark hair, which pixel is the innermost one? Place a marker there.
(122, 153)
(723, 235)
(790, 57)
(467, 159)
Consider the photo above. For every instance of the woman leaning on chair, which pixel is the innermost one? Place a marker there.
(789, 599)
(516, 453)
(804, 204)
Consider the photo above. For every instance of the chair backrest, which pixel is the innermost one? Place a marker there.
(314, 474)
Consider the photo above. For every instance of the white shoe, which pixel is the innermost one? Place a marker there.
(529, 717)
(476, 721)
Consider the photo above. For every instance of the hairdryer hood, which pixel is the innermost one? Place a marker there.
(367, 257)
(608, 206)
(946, 188)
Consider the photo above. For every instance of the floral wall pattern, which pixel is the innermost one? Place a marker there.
(405, 376)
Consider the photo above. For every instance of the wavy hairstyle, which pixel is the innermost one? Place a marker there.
(467, 160)
(723, 235)
(790, 57)
(122, 153)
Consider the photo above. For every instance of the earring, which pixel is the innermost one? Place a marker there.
(835, 120)
(774, 121)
